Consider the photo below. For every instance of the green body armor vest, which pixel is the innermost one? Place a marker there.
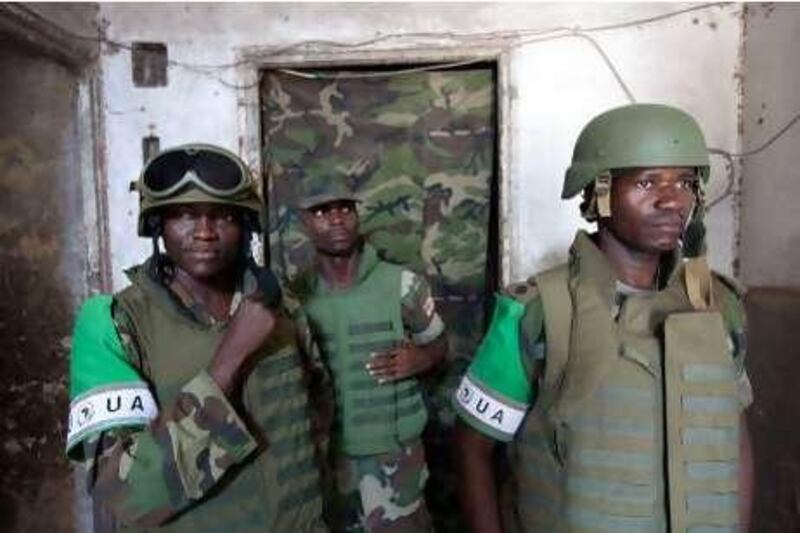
(277, 488)
(349, 326)
(637, 424)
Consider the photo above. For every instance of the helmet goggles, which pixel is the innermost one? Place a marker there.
(208, 169)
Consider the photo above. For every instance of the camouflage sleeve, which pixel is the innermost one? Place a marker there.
(420, 318)
(144, 476)
(735, 320)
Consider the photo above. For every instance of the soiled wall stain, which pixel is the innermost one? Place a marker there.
(41, 276)
(773, 366)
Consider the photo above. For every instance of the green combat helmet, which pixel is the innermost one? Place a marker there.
(196, 173)
(317, 190)
(203, 173)
(645, 135)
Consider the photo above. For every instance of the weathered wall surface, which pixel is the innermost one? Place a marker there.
(79, 18)
(770, 251)
(42, 271)
(554, 87)
(773, 366)
(770, 255)
(43, 251)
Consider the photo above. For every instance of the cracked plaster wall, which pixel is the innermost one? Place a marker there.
(771, 185)
(42, 273)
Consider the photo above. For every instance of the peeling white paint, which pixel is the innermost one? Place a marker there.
(771, 184)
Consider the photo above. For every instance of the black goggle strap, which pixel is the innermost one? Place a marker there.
(157, 260)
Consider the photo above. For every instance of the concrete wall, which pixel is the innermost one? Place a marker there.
(550, 90)
(42, 251)
(44, 271)
(770, 227)
(770, 255)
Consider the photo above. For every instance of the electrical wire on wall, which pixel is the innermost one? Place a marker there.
(729, 158)
(507, 41)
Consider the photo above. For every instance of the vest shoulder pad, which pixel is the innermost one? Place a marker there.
(301, 286)
(531, 324)
(729, 283)
(524, 292)
(728, 297)
(389, 265)
(130, 299)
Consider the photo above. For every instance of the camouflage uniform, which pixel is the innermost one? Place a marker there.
(419, 149)
(381, 492)
(622, 405)
(500, 395)
(188, 455)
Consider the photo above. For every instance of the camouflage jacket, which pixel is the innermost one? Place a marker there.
(146, 476)
(421, 321)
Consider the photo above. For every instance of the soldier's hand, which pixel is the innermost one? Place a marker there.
(248, 330)
(398, 363)
(251, 325)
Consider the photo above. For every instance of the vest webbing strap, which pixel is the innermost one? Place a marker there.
(698, 283)
(553, 286)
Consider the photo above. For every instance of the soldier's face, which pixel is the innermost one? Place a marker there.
(650, 207)
(332, 227)
(202, 239)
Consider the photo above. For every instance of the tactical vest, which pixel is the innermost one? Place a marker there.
(349, 326)
(277, 488)
(636, 429)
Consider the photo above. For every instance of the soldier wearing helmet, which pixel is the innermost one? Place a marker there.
(187, 401)
(617, 378)
(378, 334)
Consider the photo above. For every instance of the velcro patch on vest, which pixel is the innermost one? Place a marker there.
(497, 415)
(128, 405)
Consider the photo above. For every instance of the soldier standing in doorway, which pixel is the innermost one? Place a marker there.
(189, 409)
(377, 331)
(617, 378)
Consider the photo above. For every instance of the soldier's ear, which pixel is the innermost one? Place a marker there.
(305, 218)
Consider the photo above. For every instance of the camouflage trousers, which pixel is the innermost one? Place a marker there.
(381, 493)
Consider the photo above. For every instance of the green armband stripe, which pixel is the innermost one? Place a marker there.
(105, 389)
(98, 358)
(498, 362)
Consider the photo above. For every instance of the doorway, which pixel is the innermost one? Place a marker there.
(419, 146)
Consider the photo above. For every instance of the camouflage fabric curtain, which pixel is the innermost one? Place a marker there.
(418, 148)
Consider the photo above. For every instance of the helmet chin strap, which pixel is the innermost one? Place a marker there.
(158, 260)
(697, 273)
(602, 192)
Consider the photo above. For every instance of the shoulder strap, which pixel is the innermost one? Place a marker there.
(553, 286)
(523, 292)
(122, 306)
(527, 294)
